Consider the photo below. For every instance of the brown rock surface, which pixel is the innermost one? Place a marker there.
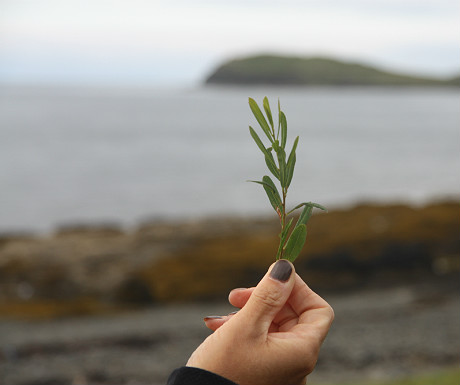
(87, 270)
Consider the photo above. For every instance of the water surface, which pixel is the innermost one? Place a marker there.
(125, 155)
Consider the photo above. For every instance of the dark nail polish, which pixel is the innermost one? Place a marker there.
(212, 317)
(281, 271)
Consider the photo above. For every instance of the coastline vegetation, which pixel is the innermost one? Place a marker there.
(314, 71)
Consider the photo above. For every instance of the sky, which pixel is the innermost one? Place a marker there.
(178, 42)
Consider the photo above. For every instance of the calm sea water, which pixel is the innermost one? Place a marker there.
(127, 155)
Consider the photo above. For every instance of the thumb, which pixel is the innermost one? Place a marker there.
(268, 298)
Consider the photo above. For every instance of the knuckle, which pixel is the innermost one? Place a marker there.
(268, 298)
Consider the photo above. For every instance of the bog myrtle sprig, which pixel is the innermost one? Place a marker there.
(292, 239)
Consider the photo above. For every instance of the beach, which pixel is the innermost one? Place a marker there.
(102, 305)
(377, 335)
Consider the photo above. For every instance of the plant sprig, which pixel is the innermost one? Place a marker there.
(292, 239)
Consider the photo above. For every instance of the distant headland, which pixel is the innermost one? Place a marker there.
(315, 71)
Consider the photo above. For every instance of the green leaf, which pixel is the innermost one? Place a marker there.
(270, 161)
(261, 183)
(306, 212)
(318, 206)
(305, 215)
(291, 163)
(279, 120)
(285, 231)
(294, 146)
(260, 118)
(268, 112)
(282, 164)
(312, 204)
(290, 169)
(295, 243)
(283, 123)
(258, 141)
(271, 191)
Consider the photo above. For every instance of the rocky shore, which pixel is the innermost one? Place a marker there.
(377, 335)
(99, 305)
(91, 269)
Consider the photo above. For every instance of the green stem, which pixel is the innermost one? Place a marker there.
(283, 219)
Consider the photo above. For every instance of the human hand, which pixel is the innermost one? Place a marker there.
(274, 339)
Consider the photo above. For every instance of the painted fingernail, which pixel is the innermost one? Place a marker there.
(209, 317)
(281, 271)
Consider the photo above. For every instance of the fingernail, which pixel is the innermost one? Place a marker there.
(212, 317)
(281, 271)
(240, 288)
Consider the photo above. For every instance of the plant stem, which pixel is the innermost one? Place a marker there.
(283, 219)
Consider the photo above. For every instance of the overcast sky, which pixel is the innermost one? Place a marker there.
(180, 42)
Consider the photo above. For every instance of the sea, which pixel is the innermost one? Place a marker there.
(129, 155)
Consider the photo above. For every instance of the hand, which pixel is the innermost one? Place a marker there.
(274, 339)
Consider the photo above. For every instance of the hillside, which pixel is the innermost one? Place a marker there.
(281, 70)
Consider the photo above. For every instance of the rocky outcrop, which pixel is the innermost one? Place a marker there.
(86, 270)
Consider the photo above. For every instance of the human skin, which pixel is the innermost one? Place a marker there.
(276, 336)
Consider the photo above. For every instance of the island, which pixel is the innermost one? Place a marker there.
(315, 71)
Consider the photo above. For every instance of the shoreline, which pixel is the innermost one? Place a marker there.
(129, 226)
(87, 270)
(77, 299)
